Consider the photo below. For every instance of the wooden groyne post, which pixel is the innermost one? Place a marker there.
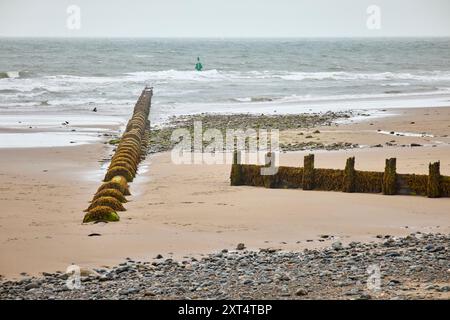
(434, 178)
(269, 180)
(236, 169)
(348, 183)
(389, 186)
(308, 172)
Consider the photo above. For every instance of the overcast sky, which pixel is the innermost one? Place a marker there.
(224, 18)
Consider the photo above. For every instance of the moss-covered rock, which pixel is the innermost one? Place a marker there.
(110, 193)
(106, 201)
(133, 135)
(114, 141)
(126, 158)
(99, 214)
(125, 165)
(135, 152)
(130, 143)
(115, 185)
(118, 171)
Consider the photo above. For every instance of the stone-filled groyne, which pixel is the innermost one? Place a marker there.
(389, 182)
(131, 149)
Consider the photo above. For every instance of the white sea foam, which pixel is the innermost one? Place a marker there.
(64, 83)
(407, 134)
(384, 76)
(348, 97)
(396, 84)
(183, 75)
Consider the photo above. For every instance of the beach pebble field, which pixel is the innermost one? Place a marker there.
(413, 267)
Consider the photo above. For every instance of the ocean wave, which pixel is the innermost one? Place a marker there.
(216, 75)
(12, 74)
(362, 96)
(382, 76)
(18, 81)
(88, 102)
(18, 104)
(396, 84)
(254, 99)
(208, 75)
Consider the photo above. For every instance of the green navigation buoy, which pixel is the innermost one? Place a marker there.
(199, 65)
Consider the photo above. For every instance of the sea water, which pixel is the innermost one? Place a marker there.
(74, 76)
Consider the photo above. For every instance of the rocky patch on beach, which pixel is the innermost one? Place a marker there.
(313, 145)
(160, 136)
(414, 267)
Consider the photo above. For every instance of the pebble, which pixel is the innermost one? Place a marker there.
(32, 285)
(330, 273)
(337, 245)
(301, 292)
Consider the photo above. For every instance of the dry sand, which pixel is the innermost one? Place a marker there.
(191, 209)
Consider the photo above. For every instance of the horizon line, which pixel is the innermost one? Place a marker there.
(225, 37)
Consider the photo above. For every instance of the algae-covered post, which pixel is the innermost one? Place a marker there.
(236, 169)
(269, 177)
(131, 149)
(348, 183)
(308, 172)
(434, 178)
(389, 186)
(348, 180)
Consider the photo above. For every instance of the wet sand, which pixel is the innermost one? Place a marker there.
(179, 210)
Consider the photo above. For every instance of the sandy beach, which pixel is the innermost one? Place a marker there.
(190, 210)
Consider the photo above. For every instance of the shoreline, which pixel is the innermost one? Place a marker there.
(56, 130)
(195, 211)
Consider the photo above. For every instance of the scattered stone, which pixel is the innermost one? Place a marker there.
(240, 246)
(32, 285)
(337, 245)
(301, 292)
(418, 261)
(444, 289)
